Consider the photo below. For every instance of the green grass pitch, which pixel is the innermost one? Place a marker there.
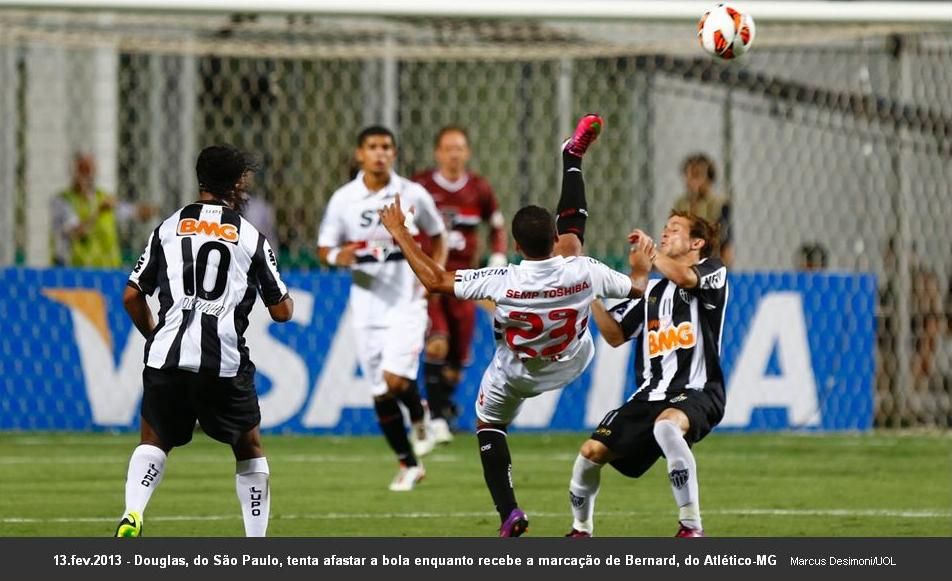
(881, 484)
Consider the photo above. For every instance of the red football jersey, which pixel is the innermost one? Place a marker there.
(465, 204)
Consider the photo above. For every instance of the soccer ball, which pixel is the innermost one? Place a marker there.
(726, 32)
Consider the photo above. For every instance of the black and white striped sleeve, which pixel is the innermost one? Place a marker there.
(270, 286)
(630, 314)
(145, 274)
(711, 282)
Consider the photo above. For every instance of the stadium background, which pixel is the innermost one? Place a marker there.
(836, 130)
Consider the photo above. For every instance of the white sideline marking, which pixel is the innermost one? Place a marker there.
(866, 513)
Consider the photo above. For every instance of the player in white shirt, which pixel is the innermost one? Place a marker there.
(387, 303)
(541, 315)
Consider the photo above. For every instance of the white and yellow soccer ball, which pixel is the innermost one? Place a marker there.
(726, 32)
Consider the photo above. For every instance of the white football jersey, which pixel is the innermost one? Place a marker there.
(382, 279)
(542, 306)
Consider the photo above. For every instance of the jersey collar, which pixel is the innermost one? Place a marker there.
(450, 186)
(541, 264)
(392, 186)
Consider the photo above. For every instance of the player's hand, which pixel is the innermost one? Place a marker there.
(642, 253)
(347, 255)
(392, 217)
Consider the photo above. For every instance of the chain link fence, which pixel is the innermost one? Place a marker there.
(831, 138)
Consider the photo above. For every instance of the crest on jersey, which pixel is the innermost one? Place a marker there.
(684, 295)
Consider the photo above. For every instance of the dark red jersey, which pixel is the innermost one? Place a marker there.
(465, 204)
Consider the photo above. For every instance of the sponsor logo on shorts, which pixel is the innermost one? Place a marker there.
(604, 432)
(678, 398)
(577, 501)
(678, 478)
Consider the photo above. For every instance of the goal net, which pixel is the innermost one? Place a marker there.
(831, 140)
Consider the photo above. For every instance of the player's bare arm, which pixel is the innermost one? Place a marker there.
(568, 245)
(283, 311)
(640, 258)
(609, 328)
(678, 272)
(338, 255)
(439, 250)
(433, 276)
(140, 313)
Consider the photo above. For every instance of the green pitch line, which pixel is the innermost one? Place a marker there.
(882, 484)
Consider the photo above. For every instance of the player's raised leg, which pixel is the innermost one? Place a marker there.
(572, 210)
(669, 430)
(146, 468)
(253, 483)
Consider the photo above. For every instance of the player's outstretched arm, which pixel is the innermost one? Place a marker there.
(609, 328)
(140, 313)
(682, 275)
(433, 276)
(283, 311)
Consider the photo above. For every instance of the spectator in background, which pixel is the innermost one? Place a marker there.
(812, 256)
(700, 199)
(86, 220)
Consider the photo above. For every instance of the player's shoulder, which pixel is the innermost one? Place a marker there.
(712, 274)
(424, 177)
(347, 189)
(490, 272)
(410, 186)
(480, 183)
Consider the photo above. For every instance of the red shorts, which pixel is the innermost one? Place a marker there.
(454, 319)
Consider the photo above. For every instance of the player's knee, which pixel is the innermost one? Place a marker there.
(452, 375)
(676, 417)
(437, 348)
(595, 451)
(396, 384)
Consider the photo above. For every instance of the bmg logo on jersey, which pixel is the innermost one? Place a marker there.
(191, 227)
(666, 340)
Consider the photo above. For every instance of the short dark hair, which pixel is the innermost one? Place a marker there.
(220, 168)
(446, 130)
(700, 159)
(533, 227)
(373, 130)
(701, 229)
(812, 255)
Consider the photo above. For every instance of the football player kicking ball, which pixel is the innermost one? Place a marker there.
(541, 315)
(680, 399)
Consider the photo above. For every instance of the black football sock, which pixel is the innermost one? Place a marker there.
(436, 389)
(391, 423)
(572, 211)
(410, 397)
(497, 469)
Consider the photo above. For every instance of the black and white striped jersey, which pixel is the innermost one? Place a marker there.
(678, 333)
(208, 265)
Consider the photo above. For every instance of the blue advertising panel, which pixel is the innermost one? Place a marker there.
(798, 352)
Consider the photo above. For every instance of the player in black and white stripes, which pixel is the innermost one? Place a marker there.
(680, 398)
(208, 265)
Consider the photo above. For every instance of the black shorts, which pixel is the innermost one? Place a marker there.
(226, 407)
(629, 430)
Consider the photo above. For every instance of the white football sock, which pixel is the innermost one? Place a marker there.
(146, 467)
(682, 471)
(583, 488)
(251, 483)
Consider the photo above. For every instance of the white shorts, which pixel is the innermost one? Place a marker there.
(394, 348)
(509, 381)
